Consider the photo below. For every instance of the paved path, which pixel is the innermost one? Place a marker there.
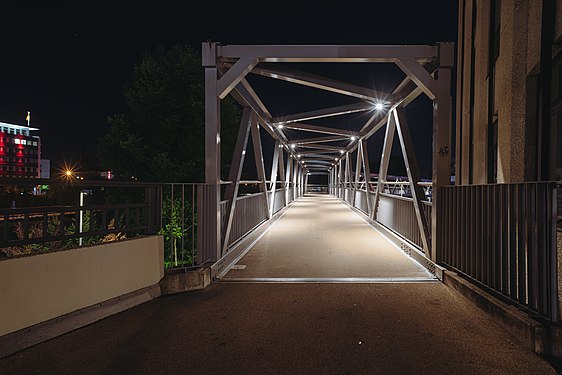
(244, 328)
(297, 328)
(320, 237)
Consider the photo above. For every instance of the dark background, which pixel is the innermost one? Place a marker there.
(68, 63)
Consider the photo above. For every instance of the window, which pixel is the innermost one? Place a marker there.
(556, 117)
(494, 52)
(472, 88)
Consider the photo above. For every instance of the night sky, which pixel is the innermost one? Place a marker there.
(68, 64)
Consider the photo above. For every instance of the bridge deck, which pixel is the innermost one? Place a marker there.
(320, 238)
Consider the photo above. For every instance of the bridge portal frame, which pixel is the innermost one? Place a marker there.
(428, 71)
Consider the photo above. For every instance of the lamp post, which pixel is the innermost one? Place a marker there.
(81, 224)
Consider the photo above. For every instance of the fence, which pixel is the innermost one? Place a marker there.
(503, 238)
(395, 207)
(248, 213)
(80, 217)
(103, 211)
(398, 213)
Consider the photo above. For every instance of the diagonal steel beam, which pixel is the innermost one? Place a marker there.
(385, 158)
(322, 147)
(234, 75)
(321, 113)
(414, 178)
(419, 75)
(404, 93)
(234, 175)
(320, 153)
(318, 129)
(367, 171)
(258, 156)
(329, 159)
(274, 165)
(318, 82)
(321, 140)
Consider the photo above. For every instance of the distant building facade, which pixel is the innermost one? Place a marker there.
(509, 91)
(45, 169)
(20, 152)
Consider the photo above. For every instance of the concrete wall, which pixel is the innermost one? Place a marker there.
(558, 20)
(38, 288)
(515, 95)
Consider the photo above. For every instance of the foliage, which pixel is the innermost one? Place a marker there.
(177, 223)
(161, 137)
(54, 229)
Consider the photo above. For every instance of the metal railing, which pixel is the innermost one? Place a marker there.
(91, 212)
(503, 238)
(64, 215)
(395, 207)
(248, 213)
(398, 214)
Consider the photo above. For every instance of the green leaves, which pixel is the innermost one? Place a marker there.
(162, 135)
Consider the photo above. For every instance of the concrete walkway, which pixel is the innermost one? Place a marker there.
(320, 237)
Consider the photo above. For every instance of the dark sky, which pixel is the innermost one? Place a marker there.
(68, 64)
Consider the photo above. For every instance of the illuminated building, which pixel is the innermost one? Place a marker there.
(20, 152)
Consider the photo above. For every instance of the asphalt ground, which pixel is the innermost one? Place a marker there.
(251, 328)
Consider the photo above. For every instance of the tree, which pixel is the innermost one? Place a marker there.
(162, 135)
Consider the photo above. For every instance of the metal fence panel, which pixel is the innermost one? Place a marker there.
(503, 238)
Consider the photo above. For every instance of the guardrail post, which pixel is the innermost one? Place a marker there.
(153, 199)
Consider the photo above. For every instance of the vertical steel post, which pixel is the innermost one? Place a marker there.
(339, 178)
(441, 173)
(294, 179)
(212, 237)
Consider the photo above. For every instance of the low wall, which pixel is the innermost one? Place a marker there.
(42, 287)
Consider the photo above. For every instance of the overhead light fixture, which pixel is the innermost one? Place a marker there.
(342, 151)
(353, 138)
(293, 145)
(379, 106)
(280, 126)
(298, 156)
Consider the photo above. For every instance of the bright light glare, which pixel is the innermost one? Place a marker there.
(353, 138)
(379, 106)
(280, 126)
(293, 145)
(342, 151)
(68, 173)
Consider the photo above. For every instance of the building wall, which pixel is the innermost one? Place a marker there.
(514, 90)
(19, 155)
